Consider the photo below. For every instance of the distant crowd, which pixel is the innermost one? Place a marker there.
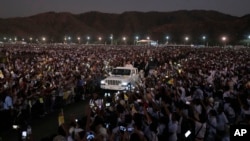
(186, 93)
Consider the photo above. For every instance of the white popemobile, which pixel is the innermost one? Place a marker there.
(121, 78)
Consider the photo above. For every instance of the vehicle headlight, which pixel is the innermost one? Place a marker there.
(103, 82)
(124, 83)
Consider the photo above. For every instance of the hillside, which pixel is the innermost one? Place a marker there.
(177, 24)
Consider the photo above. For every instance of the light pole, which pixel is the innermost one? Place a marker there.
(224, 39)
(88, 38)
(44, 39)
(204, 40)
(100, 39)
(186, 39)
(69, 38)
(79, 39)
(248, 40)
(167, 38)
(31, 39)
(124, 39)
(136, 39)
(111, 39)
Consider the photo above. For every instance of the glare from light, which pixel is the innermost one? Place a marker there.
(78, 38)
(148, 38)
(137, 37)
(44, 39)
(124, 38)
(224, 38)
(204, 37)
(88, 37)
(186, 38)
(100, 38)
(167, 37)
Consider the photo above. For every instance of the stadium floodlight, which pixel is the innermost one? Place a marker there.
(148, 38)
(204, 37)
(137, 37)
(69, 38)
(124, 38)
(224, 38)
(43, 39)
(100, 38)
(88, 37)
(167, 37)
(15, 39)
(111, 38)
(31, 38)
(79, 39)
(186, 38)
(249, 37)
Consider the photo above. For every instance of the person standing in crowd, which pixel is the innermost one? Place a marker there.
(79, 91)
(7, 110)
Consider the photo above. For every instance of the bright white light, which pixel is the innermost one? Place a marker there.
(124, 38)
(31, 38)
(224, 38)
(167, 37)
(69, 38)
(249, 37)
(186, 38)
(78, 38)
(15, 39)
(44, 39)
(136, 37)
(204, 37)
(100, 38)
(148, 38)
(111, 37)
(88, 38)
(187, 133)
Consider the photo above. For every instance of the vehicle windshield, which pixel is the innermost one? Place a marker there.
(121, 72)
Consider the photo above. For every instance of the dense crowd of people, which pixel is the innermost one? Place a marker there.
(186, 93)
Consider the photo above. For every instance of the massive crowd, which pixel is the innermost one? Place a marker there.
(201, 91)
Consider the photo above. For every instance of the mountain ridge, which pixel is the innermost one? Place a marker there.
(157, 25)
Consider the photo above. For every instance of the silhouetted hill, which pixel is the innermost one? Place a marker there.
(177, 24)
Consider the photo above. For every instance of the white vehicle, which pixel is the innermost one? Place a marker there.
(121, 78)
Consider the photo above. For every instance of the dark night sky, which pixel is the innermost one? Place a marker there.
(21, 8)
